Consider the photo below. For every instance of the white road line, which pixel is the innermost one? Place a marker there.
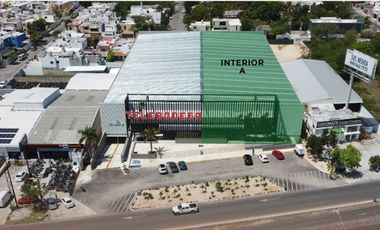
(123, 203)
(113, 202)
(128, 204)
(117, 205)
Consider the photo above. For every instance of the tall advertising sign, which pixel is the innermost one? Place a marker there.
(362, 65)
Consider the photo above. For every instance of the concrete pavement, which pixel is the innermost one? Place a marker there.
(106, 187)
(177, 19)
(247, 209)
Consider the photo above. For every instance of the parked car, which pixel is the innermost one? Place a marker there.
(20, 176)
(173, 167)
(248, 159)
(68, 202)
(5, 198)
(34, 48)
(278, 154)
(3, 84)
(26, 201)
(182, 165)
(52, 203)
(162, 169)
(185, 208)
(22, 57)
(299, 150)
(263, 158)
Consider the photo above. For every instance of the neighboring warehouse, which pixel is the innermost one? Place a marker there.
(324, 94)
(19, 111)
(56, 135)
(212, 86)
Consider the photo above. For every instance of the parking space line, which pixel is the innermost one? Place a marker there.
(111, 204)
(114, 208)
(124, 203)
(121, 205)
(126, 206)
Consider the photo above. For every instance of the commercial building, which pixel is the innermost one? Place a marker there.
(324, 94)
(343, 24)
(19, 111)
(212, 86)
(55, 135)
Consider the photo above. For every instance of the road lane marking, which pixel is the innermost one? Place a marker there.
(113, 154)
(131, 217)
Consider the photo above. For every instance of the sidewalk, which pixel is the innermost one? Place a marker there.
(112, 157)
(189, 152)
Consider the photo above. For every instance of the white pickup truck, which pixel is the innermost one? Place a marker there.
(185, 208)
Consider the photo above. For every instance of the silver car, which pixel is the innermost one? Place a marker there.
(162, 169)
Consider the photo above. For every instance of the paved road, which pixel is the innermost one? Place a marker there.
(374, 23)
(357, 217)
(177, 19)
(215, 213)
(108, 190)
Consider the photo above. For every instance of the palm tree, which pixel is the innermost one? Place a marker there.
(150, 134)
(91, 139)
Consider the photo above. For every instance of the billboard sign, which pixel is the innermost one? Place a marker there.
(364, 65)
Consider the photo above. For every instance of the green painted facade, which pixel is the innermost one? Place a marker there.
(259, 100)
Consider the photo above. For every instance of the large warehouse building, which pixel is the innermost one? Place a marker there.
(217, 87)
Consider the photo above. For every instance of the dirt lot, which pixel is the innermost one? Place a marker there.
(288, 52)
(371, 95)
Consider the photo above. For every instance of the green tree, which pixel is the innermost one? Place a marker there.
(376, 42)
(325, 31)
(217, 10)
(314, 144)
(374, 162)
(122, 8)
(150, 134)
(85, 4)
(246, 24)
(91, 139)
(201, 12)
(110, 56)
(351, 157)
(365, 47)
(32, 191)
(336, 159)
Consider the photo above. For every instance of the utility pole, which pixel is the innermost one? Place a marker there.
(349, 90)
(13, 190)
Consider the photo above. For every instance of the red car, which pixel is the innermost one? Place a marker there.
(25, 201)
(278, 154)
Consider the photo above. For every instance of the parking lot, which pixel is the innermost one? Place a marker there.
(61, 212)
(110, 191)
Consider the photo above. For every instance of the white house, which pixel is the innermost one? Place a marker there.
(148, 11)
(229, 24)
(200, 26)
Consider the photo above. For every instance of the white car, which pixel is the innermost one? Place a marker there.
(185, 208)
(162, 169)
(68, 202)
(263, 158)
(3, 84)
(20, 176)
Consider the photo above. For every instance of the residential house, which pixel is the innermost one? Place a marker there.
(228, 24)
(149, 11)
(200, 26)
(128, 28)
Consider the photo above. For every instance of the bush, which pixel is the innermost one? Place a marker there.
(219, 187)
(374, 162)
(207, 184)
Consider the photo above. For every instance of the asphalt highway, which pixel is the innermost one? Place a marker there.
(220, 213)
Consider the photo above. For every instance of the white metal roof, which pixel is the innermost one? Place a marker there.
(74, 110)
(33, 95)
(88, 69)
(91, 81)
(21, 120)
(160, 63)
(315, 80)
